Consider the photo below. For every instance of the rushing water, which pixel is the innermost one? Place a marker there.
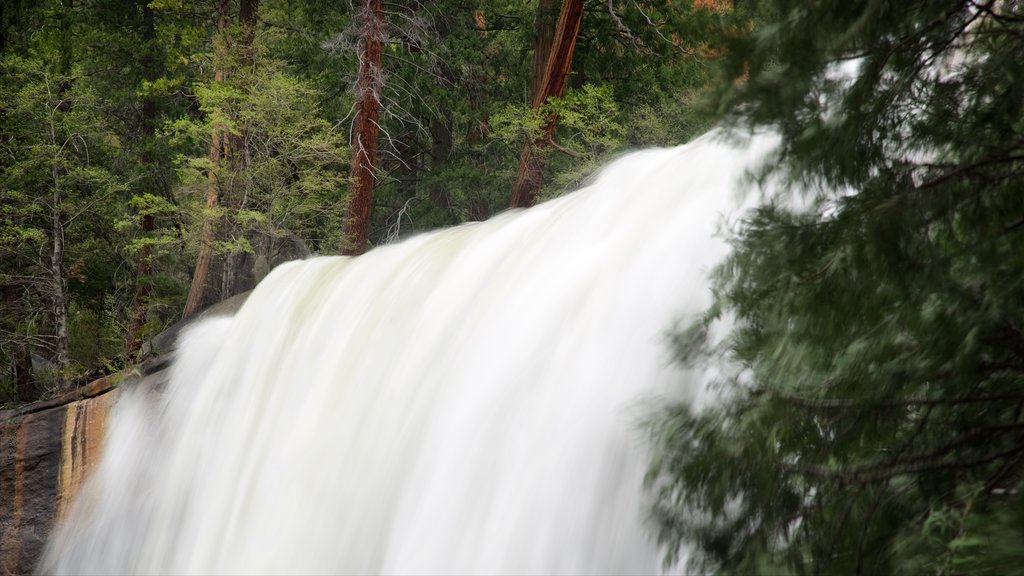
(465, 401)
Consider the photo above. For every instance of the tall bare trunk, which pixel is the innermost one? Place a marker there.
(140, 302)
(203, 281)
(201, 277)
(550, 84)
(544, 24)
(57, 288)
(364, 145)
(234, 194)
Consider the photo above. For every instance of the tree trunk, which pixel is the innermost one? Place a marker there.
(544, 25)
(200, 288)
(140, 302)
(235, 196)
(481, 127)
(550, 84)
(364, 145)
(247, 10)
(58, 289)
(203, 280)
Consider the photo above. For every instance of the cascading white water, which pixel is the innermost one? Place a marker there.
(465, 401)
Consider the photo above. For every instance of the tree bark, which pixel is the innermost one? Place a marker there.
(247, 10)
(544, 25)
(143, 287)
(549, 84)
(364, 145)
(203, 281)
(480, 128)
(201, 277)
(58, 289)
(235, 196)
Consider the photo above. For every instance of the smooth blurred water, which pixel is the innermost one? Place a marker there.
(466, 401)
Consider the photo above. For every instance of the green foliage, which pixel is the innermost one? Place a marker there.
(56, 181)
(292, 177)
(96, 337)
(145, 102)
(872, 415)
(589, 127)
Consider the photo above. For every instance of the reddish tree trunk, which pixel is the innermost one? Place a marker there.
(203, 281)
(550, 84)
(201, 277)
(364, 145)
(234, 197)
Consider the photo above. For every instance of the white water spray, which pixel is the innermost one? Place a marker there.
(464, 402)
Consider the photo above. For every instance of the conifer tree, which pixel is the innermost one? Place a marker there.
(56, 176)
(873, 419)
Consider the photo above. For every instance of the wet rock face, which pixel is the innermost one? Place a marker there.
(47, 450)
(29, 477)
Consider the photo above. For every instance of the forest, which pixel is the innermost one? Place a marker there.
(160, 156)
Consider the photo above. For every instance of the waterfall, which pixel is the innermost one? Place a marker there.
(466, 401)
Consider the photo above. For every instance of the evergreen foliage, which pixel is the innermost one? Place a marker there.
(292, 179)
(57, 196)
(872, 420)
(138, 171)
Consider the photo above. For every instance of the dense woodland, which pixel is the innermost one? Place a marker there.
(159, 156)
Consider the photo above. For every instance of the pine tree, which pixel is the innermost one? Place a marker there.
(56, 178)
(873, 420)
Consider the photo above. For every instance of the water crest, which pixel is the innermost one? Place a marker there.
(465, 401)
